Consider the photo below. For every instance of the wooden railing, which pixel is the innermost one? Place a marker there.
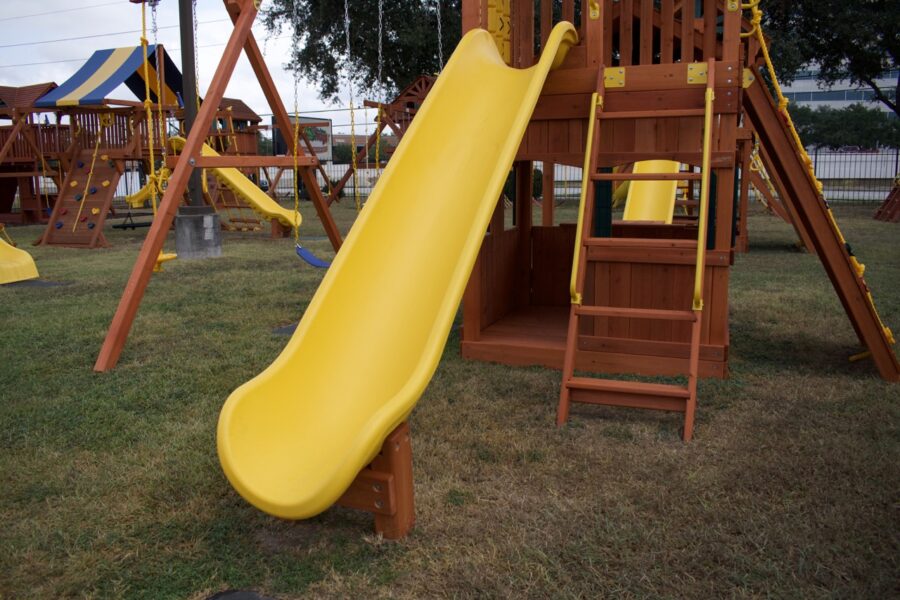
(640, 32)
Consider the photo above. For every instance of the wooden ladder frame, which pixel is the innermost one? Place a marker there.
(629, 393)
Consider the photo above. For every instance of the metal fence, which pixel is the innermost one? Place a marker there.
(849, 178)
(856, 177)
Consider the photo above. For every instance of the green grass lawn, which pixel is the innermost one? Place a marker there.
(110, 486)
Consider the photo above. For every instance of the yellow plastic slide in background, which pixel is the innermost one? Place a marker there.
(652, 200)
(246, 190)
(15, 264)
(292, 439)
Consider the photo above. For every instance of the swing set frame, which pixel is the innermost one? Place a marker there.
(242, 13)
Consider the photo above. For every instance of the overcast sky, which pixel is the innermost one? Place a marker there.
(29, 52)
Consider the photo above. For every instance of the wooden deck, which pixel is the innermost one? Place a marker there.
(536, 336)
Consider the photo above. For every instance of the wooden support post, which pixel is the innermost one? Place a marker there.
(742, 240)
(385, 487)
(522, 208)
(547, 193)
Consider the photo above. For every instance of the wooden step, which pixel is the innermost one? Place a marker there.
(630, 394)
(653, 114)
(636, 313)
(646, 176)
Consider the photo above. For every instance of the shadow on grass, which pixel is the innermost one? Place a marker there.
(759, 349)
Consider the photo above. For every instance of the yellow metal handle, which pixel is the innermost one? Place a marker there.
(585, 180)
(704, 201)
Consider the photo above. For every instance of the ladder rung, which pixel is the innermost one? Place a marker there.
(653, 114)
(632, 394)
(646, 176)
(636, 313)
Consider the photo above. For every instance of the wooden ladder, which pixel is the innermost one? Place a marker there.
(634, 394)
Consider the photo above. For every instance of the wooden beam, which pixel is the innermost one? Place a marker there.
(810, 208)
(10, 141)
(245, 161)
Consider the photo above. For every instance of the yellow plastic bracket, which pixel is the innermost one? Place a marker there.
(594, 10)
(733, 5)
(697, 73)
(614, 77)
(748, 78)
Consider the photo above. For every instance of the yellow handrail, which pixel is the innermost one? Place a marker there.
(704, 201)
(596, 101)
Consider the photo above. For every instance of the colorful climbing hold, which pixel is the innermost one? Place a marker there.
(91, 225)
(59, 224)
(73, 184)
(105, 183)
(83, 219)
(80, 163)
(95, 211)
(78, 197)
(93, 190)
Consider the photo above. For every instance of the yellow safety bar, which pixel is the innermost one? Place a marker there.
(704, 201)
(596, 101)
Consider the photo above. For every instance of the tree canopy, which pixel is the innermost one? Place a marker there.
(409, 41)
(855, 125)
(857, 40)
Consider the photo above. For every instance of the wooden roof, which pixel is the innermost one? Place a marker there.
(239, 110)
(25, 96)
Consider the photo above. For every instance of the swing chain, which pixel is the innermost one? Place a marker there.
(440, 36)
(349, 76)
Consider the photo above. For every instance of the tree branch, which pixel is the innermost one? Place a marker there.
(879, 95)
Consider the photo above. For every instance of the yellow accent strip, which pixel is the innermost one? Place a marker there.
(110, 66)
(704, 202)
(168, 94)
(596, 101)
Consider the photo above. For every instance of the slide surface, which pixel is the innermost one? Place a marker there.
(246, 190)
(15, 264)
(292, 439)
(652, 200)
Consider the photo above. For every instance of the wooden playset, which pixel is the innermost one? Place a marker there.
(673, 80)
(648, 80)
(890, 209)
(396, 116)
(84, 141)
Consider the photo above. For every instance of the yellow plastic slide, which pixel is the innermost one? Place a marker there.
(292, 439)
(15, 264)
(652, 200)
(246, 190)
